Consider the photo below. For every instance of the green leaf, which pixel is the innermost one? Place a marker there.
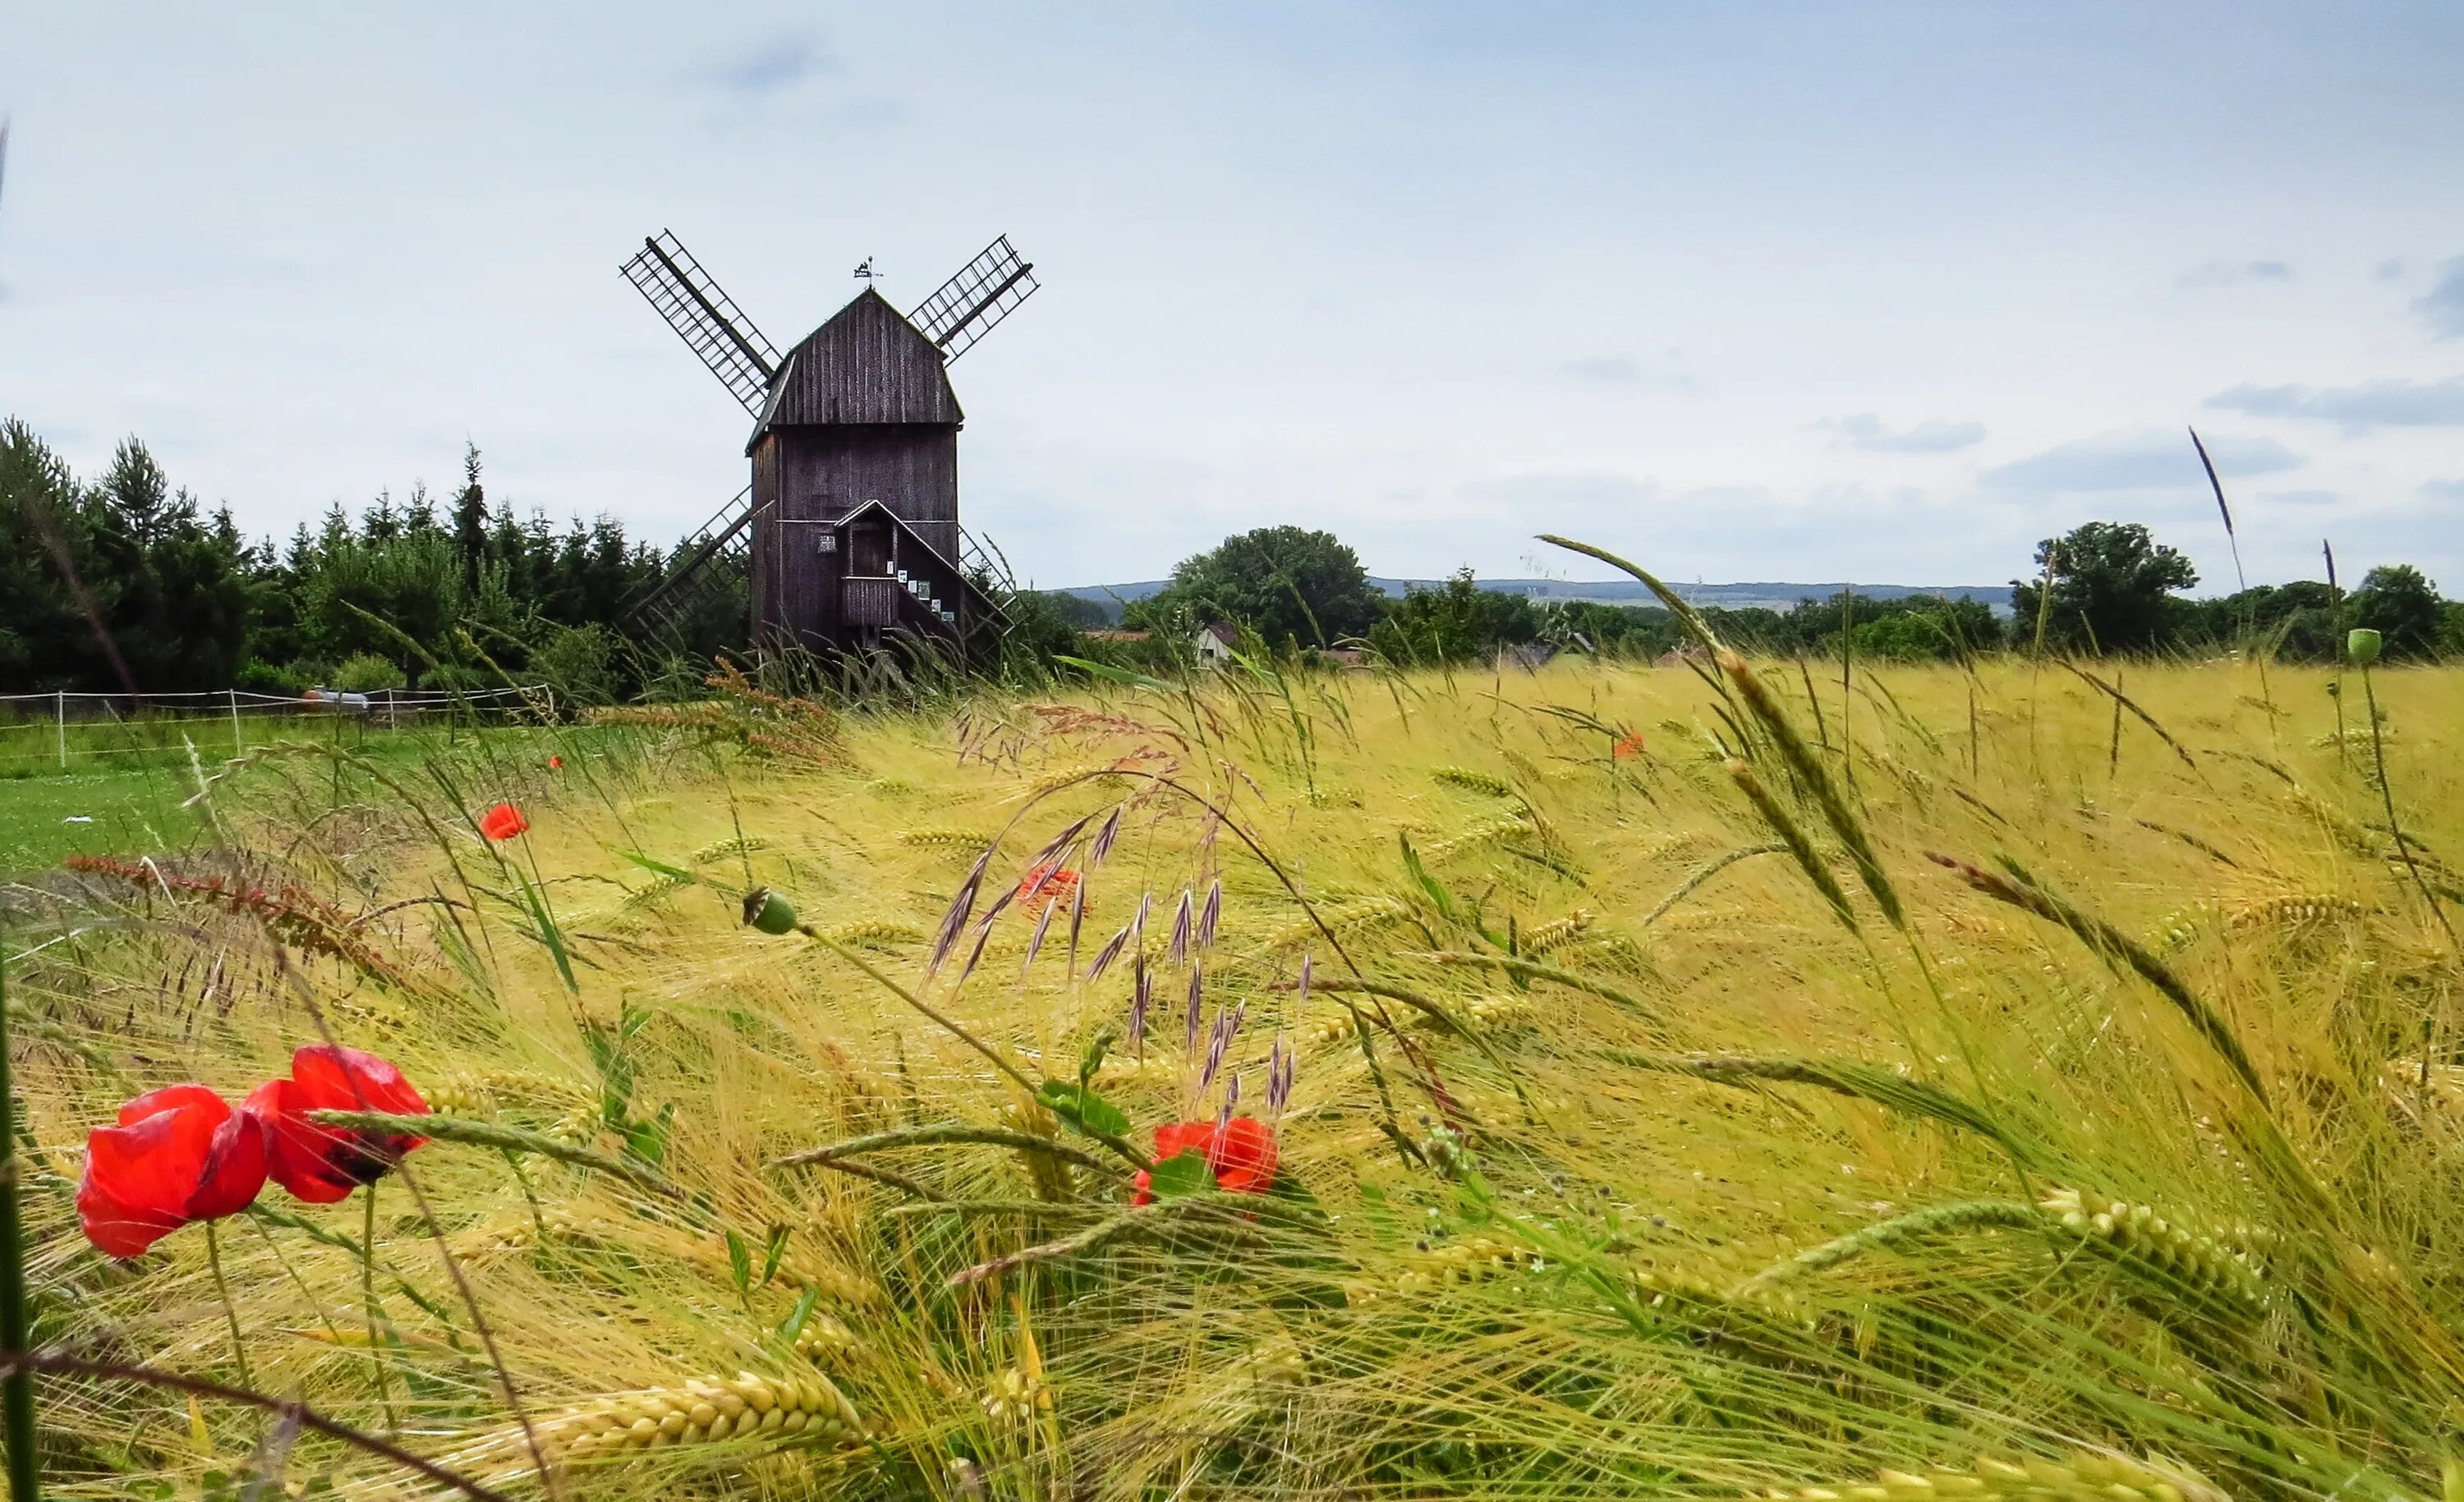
(1116, 675)
(548, 932)
(775, 1253)
(1083, 1108)
(649, 1138)
(740, 1263)
(1092, 1059)
(1182, 1173)
(671, 872)
(1430, 884)
(1290, 1190)
(794, 1325)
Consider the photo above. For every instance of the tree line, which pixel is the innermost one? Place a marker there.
(2103, 588)
(126, 582)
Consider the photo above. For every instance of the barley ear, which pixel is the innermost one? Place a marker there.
(1794, 837)
(1817, 778)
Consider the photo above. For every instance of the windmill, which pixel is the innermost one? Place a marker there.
(849, 529)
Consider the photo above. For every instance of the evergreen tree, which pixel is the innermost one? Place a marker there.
(470, 521)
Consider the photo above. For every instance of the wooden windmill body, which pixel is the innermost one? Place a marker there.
(850, 531)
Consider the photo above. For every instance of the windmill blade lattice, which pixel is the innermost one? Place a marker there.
(986, 290)
(719, 555)
(706, 318)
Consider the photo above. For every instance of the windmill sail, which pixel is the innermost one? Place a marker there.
(719, 555)
(706, 318)
(985, 291)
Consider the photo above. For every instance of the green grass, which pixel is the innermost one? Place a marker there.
(45, 819)
(125, 782)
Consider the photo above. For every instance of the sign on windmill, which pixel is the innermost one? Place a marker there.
(850, 531)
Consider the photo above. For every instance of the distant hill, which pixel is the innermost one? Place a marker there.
(1622, 592)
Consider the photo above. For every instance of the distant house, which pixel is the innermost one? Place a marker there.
(1212, 643)
(1114, 634)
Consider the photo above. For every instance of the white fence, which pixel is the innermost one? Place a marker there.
(81, 725)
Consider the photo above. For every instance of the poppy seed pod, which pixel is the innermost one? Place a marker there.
(2362, 644)
(768, 911)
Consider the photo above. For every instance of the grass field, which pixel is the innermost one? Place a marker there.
(123, 786)
(1664, 1117)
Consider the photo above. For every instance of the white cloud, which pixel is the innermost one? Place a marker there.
(2141, 461)
(1933, 436)
(2232, 274)
(2371, 405)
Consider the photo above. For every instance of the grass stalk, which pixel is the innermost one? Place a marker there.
(368, 1305)
(18, 1385)
(2112, 944)
(230, 1309)
(2386, 800)
(503, 1139)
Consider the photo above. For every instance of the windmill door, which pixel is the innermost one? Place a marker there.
(869, 548)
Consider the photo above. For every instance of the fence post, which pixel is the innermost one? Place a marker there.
(238, 747)
(60, 717)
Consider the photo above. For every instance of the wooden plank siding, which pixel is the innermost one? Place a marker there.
(868, 365)
(862, 411)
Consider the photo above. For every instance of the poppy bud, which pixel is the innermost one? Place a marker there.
(2362, 646)
(768, 911)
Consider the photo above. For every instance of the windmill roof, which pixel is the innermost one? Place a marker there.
(866, 365)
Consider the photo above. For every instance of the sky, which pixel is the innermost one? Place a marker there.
(1871, 292)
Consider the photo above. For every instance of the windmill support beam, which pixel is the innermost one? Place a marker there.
(958, 324)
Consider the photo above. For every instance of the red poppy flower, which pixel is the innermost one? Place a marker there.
(503, 823)
(1045, 884)
(555, 764)
(180, 1154)
(1628, 746)
(322, 1163)
(1240, 1153)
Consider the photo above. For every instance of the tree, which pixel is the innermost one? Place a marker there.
(2403, 606)
(2112, 589)
(45, 638)
(470, 520)
(138, 495)
(1282, 582)
(1930, 630)
(1074, 611)
(179, 609)
(1454, 624)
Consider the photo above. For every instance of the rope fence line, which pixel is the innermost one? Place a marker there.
(158, 713)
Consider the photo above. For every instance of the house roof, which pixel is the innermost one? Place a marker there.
(868, 365)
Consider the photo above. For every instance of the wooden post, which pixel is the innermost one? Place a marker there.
(238, 747)
(60, 717)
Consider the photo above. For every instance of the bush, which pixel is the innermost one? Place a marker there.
(578, 663)
(457, 677)
(368, 673)
(256, 675)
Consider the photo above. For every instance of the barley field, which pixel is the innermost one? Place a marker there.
(1719, 1081)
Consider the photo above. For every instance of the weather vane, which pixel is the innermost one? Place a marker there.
(864, 270)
